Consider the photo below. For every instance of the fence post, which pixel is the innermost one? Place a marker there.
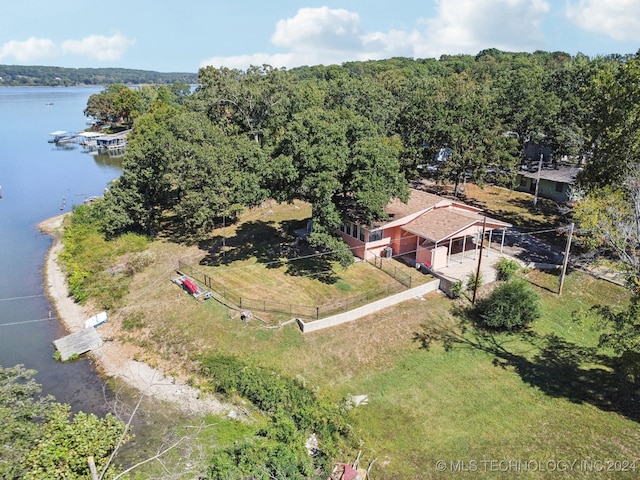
(240, 302)
(317, 313)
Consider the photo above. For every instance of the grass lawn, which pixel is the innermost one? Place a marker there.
(535, 399)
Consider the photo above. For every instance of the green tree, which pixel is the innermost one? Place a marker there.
(137, 199)
(613, 123)
(67, 441)
(116, 105)
(253, 102)
(510, 306)
(462, 120)
(41, 439)
(21, 413)
(337, 161)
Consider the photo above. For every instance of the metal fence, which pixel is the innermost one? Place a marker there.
(302, 311)
(387, 266)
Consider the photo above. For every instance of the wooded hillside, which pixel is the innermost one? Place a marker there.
(23, 75)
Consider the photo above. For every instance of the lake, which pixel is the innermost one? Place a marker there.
(39, 180)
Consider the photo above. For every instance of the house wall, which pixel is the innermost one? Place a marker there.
(547, 188)
(357, 247)
(434, 257)
(406, 243)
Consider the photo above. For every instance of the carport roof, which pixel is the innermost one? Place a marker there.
(448, 222)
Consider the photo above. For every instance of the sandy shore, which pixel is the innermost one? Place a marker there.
(111, 358)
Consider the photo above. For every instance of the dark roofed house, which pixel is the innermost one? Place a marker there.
(427, 229)
(555, 183)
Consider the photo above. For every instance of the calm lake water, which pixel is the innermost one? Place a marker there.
(40, 180)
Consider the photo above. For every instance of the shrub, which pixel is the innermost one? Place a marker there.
(294, 410)
(456, 289)
(471, 280)
(510, 306)
(507, 268)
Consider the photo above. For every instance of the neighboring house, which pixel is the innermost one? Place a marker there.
(555, 184)
(428, 229)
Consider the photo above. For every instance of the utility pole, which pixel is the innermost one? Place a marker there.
(535, 196)
(566, 259)
(475, 286)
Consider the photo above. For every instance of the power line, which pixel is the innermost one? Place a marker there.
(21, 298)
(28, 321)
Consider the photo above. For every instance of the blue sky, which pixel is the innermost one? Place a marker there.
(185, 35)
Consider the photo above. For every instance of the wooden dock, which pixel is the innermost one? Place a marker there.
(78, 343)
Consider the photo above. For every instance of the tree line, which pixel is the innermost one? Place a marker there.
(44, 76)
(347, 138)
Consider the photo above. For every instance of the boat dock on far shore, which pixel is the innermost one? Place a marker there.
(113, 141)
(104, 142)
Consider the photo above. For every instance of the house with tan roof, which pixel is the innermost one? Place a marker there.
(428, 229)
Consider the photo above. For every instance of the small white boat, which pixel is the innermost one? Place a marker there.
(96, 320)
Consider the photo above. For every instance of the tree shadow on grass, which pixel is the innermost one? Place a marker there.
(557, 367)
(272, 246)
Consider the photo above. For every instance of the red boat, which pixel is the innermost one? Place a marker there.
(190, 286)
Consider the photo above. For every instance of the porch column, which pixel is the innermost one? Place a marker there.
(478, 240)
(434, 256)
(449, 253)
(504, 231)
(464, 247)
(489, 247)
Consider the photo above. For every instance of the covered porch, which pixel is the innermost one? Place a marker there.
(452, 236)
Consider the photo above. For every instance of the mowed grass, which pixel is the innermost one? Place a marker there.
(534, 399)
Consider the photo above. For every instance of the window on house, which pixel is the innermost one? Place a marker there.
(523, 181)
(362, 234)
(347, 229)
(341, 228)
(375, 235)
(355, 231)
(559, 186)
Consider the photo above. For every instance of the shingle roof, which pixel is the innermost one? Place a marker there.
(562, 174)
(443, 223)
(441, 218)
(418, 201)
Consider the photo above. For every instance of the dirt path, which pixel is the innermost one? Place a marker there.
(112, 358)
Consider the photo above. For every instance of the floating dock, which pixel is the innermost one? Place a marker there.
(78, 343)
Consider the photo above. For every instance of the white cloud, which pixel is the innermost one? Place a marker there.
(319, 36)
(324, 36)
(619, 19)
(319, 29)
(28, 50)
(99, 47)
(468, 26)
(95, 47)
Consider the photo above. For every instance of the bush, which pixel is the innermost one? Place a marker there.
(507, 268)
(294, 410)
(510, 306)
(471, 280)
(456, 289)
